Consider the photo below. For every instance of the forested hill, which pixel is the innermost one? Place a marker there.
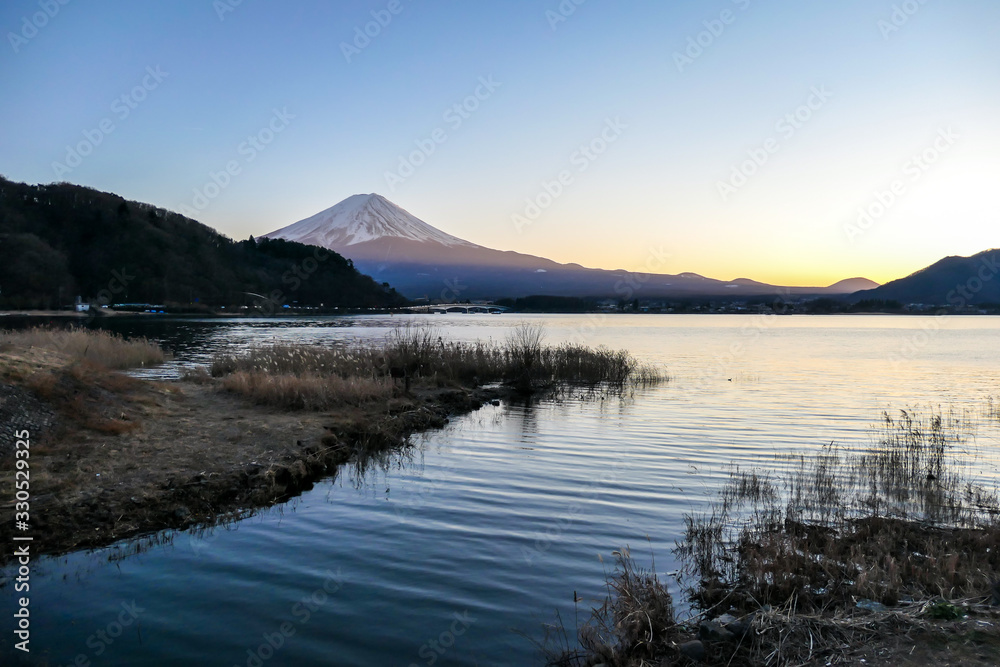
(60, 241)
(958, 282)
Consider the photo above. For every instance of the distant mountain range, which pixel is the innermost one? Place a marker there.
(419, 260)
(952, 281)
(61, 241)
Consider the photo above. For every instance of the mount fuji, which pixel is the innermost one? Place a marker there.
(361, 219)
(419, 260)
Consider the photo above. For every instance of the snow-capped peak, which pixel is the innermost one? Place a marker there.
(361, 218)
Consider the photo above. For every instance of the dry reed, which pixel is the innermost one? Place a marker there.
(92, 345)
(312, 376)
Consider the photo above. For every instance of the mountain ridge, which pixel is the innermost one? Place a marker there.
(361, 218)
(393, 245)
(955, 281)
(60, 241)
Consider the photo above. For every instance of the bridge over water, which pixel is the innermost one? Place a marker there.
(458, 308)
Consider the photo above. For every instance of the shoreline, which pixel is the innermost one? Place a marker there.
(219, 456)
(115, 460)
(37, 315)
(113, 456)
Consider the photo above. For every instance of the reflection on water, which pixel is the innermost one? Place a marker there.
(502, 515)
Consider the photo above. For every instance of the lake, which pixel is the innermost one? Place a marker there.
(458, 550)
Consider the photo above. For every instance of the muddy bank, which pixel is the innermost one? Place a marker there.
(113, 457)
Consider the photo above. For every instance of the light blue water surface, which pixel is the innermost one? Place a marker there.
(457, 551)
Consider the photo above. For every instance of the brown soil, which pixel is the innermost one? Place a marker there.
(893, 639)
(112, 457)
(955, 646)
(886, 639)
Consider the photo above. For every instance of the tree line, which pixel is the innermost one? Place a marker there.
(61, 241)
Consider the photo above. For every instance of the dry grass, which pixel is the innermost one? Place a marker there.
(72, 370)
(901, 520)
(317, 377)
(87, 396)
(308, 391)
(635, 625)
(910, 634)
(95, 346)
(838, 553)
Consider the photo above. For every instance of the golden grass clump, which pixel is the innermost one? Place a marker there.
(308, 391)
(415, 353)
(91, 345)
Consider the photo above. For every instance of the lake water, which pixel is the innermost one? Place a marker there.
(457, 551)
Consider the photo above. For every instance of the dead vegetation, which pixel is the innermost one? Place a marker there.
(91, 345)
(839, 556)
(315, 377)
(115, 457)
(635, 620)
(72, 372)
(901, 520)
(308, 391)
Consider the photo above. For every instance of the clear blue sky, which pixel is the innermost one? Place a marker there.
(890, 87)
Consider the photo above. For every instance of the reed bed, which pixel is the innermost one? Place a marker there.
(308, 391)
(636, 622)
(900, 520)
(93, 345)
(312, 376)
(823, 557)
